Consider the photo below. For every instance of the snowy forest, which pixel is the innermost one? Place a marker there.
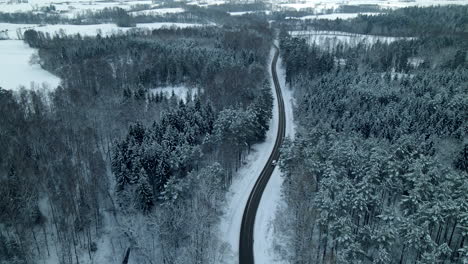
(166, 116)
(74, 168)
(378, 170)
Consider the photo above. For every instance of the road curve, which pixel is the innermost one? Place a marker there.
(246, 241)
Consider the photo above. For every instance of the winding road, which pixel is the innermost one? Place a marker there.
(246, 253)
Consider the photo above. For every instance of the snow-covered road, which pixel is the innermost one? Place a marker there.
(271, 198)
(244, 180)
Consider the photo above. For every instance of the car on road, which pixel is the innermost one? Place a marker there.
(274, 162)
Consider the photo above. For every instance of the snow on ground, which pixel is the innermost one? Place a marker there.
(243, 182)
(245, 179)
(335, 16)
(241, 13)
(68, 8)
(248, 12)
(329, 39)
(10, 31)
(321, 5)
(205, 3)
(316, 6)
(263, 230)
(158, 11)
(107, 29)
(16, 70)
(85, 30)
(415, 61)
(180, 92)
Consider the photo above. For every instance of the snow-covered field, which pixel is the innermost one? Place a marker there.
(321, 5)
(16, 71)
(335, 16)
(316, 6)
(205, 3)
(329, 39)
(69, 8)
(85, 30)
(264, 232)
(158, 11)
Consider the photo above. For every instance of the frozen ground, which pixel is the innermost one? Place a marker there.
(329, 39)
(16, 70)
(264, 232)
(243, 182)
(10, 30)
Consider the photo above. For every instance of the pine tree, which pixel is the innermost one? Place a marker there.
(144, 192)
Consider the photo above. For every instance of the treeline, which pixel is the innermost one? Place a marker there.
(403, 56)
(403, 22)
(102, 158)
(107, 15)
(31, 18)
(228, 67)
(359, 8)
(302, 59)
(378, 169)
(406, 55)
(129, 18)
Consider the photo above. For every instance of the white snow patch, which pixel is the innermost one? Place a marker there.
(264, 232)
(249, 12)
(415, 62)
(16, 71)
(158, 11)
(10, 31)
(335, 16)
(180, 92)
(241, 13)
(242, 185)
(329, 39)
(205, 3)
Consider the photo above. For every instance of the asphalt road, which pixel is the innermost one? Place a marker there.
(246, 253)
